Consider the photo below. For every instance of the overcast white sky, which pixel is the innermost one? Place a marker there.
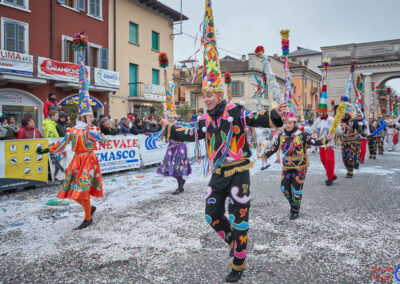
(243, 24)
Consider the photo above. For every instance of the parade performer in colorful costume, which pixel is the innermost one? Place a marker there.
(391, 133)
(83, 176)
(372, 143)
(380, 137)
(293, 145)
(228, 152)
(175, 163)
(351, 140)
(321, 127)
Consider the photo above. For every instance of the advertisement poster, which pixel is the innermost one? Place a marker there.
(120, 153)
(16, 63)
(22, 166)
(62, 71)
(152, 149)
(106, 78)
(60, 161)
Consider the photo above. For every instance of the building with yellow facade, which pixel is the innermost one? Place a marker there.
(138, 31)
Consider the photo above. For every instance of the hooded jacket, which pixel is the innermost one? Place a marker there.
(50, 128)
(29, 133)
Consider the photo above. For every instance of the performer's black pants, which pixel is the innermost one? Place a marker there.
(348, 152)
(372, 147)
(292, 182)
(233, 230)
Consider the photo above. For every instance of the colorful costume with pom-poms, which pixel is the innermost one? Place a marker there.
(293, 146)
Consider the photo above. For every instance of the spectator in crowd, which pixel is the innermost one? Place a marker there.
(152, 124)
(28, 130)
(194, 117)
(50, 125)
(124, 126)
(106, 128)
(50, 104)
(68, 122)
(13, 124)
(7, 131)
(62, 124)
(139, 127)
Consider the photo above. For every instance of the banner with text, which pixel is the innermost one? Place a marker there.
(61, 71)
(16, 63)
(106, 78)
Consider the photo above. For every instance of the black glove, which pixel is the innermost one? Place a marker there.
(41, 151)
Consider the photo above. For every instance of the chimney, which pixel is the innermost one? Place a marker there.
(243, 57)
(276, 55)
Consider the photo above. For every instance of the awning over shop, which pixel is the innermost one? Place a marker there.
(66, 86)
(29, 81)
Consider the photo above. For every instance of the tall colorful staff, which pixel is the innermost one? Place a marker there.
(372, 104)
(288, 83)
(163, 62)
(342, 106)
(228, 83)
(270, 77)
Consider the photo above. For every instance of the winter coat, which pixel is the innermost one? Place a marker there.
(153, 127)
(124, 129)
(61, 128)
(48, 106)
(29, 133)
(108, 131)
(139, 129)
(7, 132)
(50, 128)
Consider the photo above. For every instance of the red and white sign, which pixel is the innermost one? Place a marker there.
(61, 71)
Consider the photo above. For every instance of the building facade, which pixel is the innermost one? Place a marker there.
(307, 57)
(377, 62)
(244, 84)
(139, 31)
(37, 56)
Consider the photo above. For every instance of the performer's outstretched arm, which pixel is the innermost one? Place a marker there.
(266, 119)
(59, 146)
(184, 133)
(273, 149)
(306, 137)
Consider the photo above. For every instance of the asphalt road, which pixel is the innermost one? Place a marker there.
(150, 236)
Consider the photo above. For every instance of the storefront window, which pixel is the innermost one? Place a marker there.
(19, 112)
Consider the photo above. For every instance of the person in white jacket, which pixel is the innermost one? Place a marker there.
(321, 127)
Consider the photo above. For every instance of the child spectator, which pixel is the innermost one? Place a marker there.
(28, 130)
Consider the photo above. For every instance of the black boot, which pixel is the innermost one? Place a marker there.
(85, 223)
(92, 211)
(294, 216)
(234, 276)
(329, 182)
(177, 191)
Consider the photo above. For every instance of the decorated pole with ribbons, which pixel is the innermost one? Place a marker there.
(288, 84)
(79, 44)
(228, 83)
(342, 106)
(270, 77)
(372, 104)
(163, 62)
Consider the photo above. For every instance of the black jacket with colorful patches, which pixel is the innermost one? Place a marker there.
(229, 127)
(293, 147)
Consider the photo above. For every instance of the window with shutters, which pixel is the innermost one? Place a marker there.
(155, 74)
(95, 8)
(20, 4)
(155, 41)
(193, 100)
(133, 33)
(237, 89)
(77, 5)
(15, 35)
(133, 79)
